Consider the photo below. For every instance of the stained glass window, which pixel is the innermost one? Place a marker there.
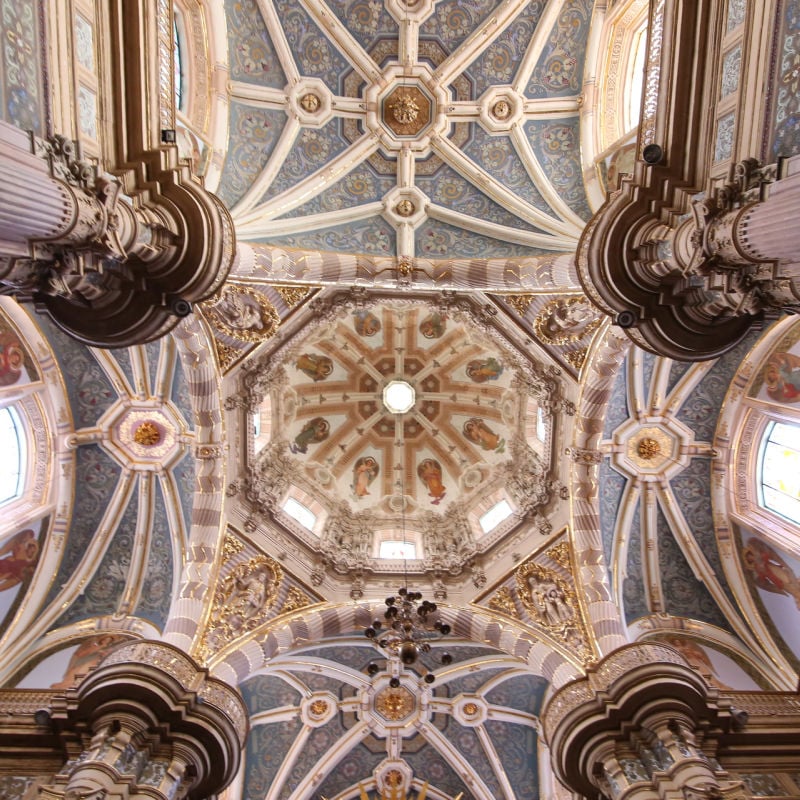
(779, 485)
(12, 445)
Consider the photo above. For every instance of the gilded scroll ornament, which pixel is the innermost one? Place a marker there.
(503, 602)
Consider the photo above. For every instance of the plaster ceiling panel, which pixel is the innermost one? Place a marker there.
(497, 156)
(556, 146)
(684, 594)
(314, 54)
(449, 189)
(252, 135)
(251, 52)
(372, 236)
(452, 21)
(559, 71)
(437, 354)
(313, 149)
(98, 476)
(360, 186)
(367, 20)
(501, 61)
(440, 240)
(458, 64)
(103, 593)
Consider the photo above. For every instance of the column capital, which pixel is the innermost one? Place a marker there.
(640, 687)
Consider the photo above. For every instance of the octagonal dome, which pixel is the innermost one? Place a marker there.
(423, 485)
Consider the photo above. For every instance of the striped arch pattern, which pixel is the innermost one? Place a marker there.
(196, 354)
(262, 263)
(601, 612)
(322, 622)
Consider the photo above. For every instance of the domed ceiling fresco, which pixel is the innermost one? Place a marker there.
(432, 129)
(475, 432)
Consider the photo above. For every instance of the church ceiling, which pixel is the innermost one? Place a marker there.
(437, 130)
(478, 432)
(658, 523)
(322, 724)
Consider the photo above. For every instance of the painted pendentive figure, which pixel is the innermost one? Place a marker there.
(314, 431)
(481, 370)
(317, 367)
(430, 473)
(478, 432)
(365, 323)
(365, 471)
(433, 326)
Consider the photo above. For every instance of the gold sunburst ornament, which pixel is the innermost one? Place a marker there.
(147, 434)
(405, 109)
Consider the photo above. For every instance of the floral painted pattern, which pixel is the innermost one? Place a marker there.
(559, 72)
(786, 115)
(372, 236)
(314, 54)
(499, 62)
(253, 135)
(251, 54)
(23, 100)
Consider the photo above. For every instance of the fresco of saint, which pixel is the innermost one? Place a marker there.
(481, 370)
(315, 366)
(314, 431)
(433, 326)
(769, 571)
(12, 358)
(430, 473)
(18, 557)
(478, 432)
(365, 322)
(782, 377)
(365, 471)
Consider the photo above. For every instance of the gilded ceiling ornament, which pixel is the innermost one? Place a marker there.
(242, 313)
(501, 109)
(405, 208)
(503, 602)
(546, 596)
(394, 703)
(318, 708)
(648, 448)
(393, 778)
(230, 547)
(519, 302)
(226, 354)
(470, 709)
(295, 599)
(310, 102)
(405, 109)
(147, 434)
(560, 554)
(566, 320)
(242, 601)
(576, 358)
(292, 295)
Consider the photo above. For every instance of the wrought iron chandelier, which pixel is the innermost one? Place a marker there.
(408, 630)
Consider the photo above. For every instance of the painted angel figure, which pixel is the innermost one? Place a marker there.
(365, 471)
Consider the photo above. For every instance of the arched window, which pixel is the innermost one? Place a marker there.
(177, 60)
(779, 470)
(13, 447)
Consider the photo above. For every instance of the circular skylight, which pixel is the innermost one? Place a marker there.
(398, 397)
